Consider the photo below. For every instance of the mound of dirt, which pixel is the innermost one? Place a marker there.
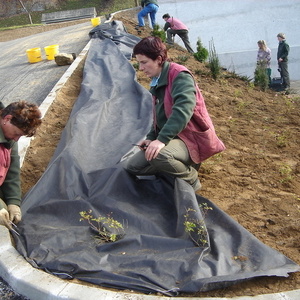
(256, 180)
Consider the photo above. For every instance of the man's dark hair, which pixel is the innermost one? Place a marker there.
(166, 16)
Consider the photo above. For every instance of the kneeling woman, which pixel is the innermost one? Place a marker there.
(182, 134)
(17, 119)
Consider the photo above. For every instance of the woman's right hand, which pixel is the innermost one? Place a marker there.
(153, 149)
(4, 218)
(144, 144)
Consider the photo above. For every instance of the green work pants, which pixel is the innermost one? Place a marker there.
(173, 159)
(284, 72)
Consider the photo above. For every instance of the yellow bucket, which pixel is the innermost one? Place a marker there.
(34, 55)
(51, 51)
(96, 21)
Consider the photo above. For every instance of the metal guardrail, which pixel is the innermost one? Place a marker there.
(69, 15)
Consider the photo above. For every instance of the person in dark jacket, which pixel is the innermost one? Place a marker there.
(16, 119)
(182, 134)
(282, 58)
(174, 26)
(148, 7)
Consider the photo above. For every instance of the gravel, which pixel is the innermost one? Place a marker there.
(6, 292)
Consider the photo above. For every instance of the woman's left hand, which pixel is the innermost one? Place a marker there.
(15, 214)
(153, 149)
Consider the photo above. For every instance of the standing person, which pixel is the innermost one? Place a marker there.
(148, 7)
(182, 134)
(264, 57)
(174, 26)
(17, 119)
(282, 58)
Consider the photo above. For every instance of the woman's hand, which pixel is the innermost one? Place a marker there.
(4, 218)
(153, 149)
(14, 213)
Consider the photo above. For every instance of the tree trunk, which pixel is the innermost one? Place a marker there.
(29, 15)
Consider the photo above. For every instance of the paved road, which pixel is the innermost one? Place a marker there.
(21, 80)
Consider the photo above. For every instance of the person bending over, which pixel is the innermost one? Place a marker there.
(174, 26)
(16, 119)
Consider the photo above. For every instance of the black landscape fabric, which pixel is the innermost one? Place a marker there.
(154, 253)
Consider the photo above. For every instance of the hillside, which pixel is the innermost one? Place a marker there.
(256, 180)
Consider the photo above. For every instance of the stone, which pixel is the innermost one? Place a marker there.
(63, 59)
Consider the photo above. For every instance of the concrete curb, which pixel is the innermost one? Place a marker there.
(36, 284)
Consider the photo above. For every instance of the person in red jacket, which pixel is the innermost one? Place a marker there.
(174, 26)
(16, 119)
(182, 134)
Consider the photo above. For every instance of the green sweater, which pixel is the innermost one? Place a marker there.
(10, 190)
(283, 50)
(146, 2)
(183, 94)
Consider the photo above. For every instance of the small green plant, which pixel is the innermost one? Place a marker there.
(202, 53)
(99, 226)
(158, 32)
(261, 78)
(196, 228)
(290, 103)
(234, 75)
(242, 106)
(286, 172)
(214, 63)
(182, 58)
(204, 207)
(238, 93)
(281, 140)
(251, 85)
(135, 65)
(199, 72)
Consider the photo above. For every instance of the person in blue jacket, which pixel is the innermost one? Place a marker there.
(148, 7)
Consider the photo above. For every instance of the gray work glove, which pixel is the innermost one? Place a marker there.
(4, 218)
(15, 214)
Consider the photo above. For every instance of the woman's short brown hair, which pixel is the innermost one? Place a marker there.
(152, 47)
(26, 116)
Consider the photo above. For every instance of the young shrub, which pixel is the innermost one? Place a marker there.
(202, 53)
(158, 32)
(214, 63)
(261, 78)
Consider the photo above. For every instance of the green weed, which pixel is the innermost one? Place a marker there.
(286, 173)
(238, 93)
(100, 225)
(195, 228)
(135, 65)
(281, 140)
(181, 59)
(214, 63)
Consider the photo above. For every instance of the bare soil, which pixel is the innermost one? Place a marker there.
(256, 180)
